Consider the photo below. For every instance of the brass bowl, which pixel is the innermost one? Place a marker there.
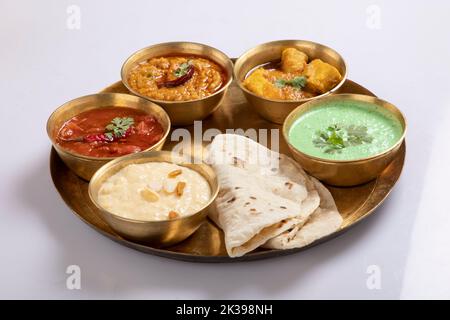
(183, 112)
(345, 172)
(86, 166)
(277, 110)
(156, 233)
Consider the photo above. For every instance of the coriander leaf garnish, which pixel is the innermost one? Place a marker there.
(330, 139)
(335, 138)
(183, 73)
(280, 83)
(182, 69)
(297, 82)
(358, 135)
(118, 127)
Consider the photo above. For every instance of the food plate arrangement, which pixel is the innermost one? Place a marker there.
(221, 206)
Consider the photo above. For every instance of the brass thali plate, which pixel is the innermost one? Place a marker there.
(207, 244)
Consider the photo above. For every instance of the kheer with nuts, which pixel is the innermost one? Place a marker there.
(154, 191)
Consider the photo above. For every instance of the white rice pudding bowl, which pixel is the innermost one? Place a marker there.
(154, 191)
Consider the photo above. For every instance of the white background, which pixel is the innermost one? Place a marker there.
(43, 63)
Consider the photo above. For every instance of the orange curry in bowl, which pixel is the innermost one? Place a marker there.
(293, 77)
(177, 78)
(109, 132)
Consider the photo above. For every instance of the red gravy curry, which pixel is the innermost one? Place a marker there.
(109, 132)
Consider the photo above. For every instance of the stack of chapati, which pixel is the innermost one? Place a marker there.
(266, 199)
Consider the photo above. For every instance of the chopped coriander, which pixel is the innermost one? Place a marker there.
(297, 82)
(118, 127)
(280, 83)
(335, 138)
(182, 69)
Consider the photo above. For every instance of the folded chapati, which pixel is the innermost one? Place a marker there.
(263, 193)
(324, 221)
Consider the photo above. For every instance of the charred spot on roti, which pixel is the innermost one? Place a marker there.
(238, 162)
(280, 224)
(246, 204)
(252, 197)
(283, 207)
(232, 200)
(289, 185)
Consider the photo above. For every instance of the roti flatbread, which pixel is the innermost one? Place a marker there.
(263, 193)
(324, 221)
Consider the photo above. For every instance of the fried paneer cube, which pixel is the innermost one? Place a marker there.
(321, 76)
(293, 60)
(258, 83)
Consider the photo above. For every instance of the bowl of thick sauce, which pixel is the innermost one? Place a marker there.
(89, 131)
(345, 139)
(154, 197)
(187, 79)
(278, 76)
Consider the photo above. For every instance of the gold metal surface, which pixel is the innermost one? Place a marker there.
(85, 166)
(207, 244)
(156, 233)
(277, 110)
(183, 112)
(345, 172)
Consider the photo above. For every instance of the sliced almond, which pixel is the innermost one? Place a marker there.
(174, 173)
(173, 215)
(149, 195)
(180, 188)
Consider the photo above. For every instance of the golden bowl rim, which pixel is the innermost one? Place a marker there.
(350, 96)
(145, 154)
(304, 100)
(91, 158)
(124, 79)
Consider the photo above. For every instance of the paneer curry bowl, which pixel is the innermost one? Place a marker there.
(188, 80)
(278, 76)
